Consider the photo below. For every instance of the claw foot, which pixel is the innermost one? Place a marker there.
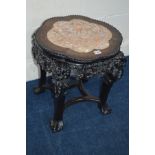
(105, 110)
(56, 125)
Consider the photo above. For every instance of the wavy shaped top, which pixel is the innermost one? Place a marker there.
(79, 35)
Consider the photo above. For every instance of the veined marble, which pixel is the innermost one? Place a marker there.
(79, 35)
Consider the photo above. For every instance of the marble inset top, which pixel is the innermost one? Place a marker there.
(79, 35)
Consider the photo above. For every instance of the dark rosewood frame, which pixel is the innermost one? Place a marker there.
(110, 69)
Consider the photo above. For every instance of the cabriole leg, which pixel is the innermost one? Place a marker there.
(57, 122)
(104, 92)
(42, 82)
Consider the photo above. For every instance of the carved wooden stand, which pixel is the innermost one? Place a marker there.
(110, 69)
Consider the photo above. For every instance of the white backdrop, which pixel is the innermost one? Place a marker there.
(114, 12)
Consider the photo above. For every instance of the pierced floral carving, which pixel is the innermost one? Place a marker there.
(63, 70)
